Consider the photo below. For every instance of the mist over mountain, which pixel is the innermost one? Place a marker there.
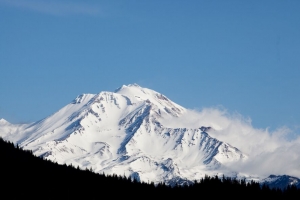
(139, 132)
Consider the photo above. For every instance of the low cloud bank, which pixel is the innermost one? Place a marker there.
(270, 152)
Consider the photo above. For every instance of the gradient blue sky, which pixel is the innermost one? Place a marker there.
(242, 55)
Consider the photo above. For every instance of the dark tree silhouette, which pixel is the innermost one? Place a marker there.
(25, 176)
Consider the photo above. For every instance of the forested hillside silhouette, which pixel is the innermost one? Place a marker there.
(25, 176)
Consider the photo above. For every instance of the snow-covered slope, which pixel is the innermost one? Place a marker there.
(281, 181)
(122, 132)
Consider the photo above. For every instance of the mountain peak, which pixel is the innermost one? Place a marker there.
(134, 85)
(134, 90)
(3, 121)
(281, 181)
(122, 133)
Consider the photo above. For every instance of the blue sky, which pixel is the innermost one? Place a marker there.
(240, 55)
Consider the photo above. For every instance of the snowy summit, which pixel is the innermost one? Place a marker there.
(124, 132)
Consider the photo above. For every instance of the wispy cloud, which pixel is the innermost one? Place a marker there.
(270, 152)
(57, 8)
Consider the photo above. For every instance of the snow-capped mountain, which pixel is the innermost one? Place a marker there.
(281, 181)
(123, 132)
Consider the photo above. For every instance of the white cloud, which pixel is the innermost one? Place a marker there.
(54, 7)
(269, 152)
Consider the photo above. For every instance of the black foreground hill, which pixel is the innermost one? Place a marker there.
(25, 176)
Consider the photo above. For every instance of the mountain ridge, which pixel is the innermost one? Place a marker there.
(122, 132)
